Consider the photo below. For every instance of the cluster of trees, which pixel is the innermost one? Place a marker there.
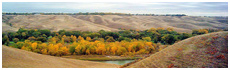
(205, 31)
(123, 42)
(161, 35)
(80, 46)
(95, 13)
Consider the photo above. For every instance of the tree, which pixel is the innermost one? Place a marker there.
(114, 49)
(169, 29)
(19, 45)
(11, 35)
(42, 39)
(199, 31)
(110, 39)
(64, 50)
(45, 31)
(184, 36)
(78, 49)
(169, 39)
(15, 40)
(73, 38)
(24, 35)
(72, 49)
(53, 49)
(5, 40)
(36, 34)
(88, 38)
(146, 39)
(32, 38)
(34, 46)
(44, 51)
(80, 38)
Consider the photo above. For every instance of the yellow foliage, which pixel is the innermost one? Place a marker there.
(64, 50)
(151, 30)
(114, 49)
(78, 49)
(23, 48)
(34, 46)
(44, 51)
(87, 47)
(80, 38)
(130, 47)
(88, 51)
(146, 38)
(74, 38)
(169, 29)
(88, 38)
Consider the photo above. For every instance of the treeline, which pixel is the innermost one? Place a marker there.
(164, 36)
(95, 13)
(124, 42)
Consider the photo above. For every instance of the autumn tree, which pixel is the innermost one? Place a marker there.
(146, 39)
(88, 38)
(73, 38)
(72, 49)
(110, 39)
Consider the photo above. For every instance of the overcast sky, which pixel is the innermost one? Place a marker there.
(189, 8)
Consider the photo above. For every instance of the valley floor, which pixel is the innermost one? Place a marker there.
(103, 57)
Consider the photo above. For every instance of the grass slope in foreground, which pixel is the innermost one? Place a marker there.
(16, 58)
(204, 51)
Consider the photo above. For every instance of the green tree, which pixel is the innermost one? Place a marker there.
(169, 39)
(42, 39)
(146, 39)
(110, 39)
(72, 49)
(36, 34)
(15, 40)
(5, 40)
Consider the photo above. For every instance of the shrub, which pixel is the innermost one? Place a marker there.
(72, 49)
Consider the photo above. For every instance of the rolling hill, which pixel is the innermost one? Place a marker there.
(203, 51)
(17, 58)
(110, 22)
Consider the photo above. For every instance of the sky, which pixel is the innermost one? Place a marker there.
(188, 8)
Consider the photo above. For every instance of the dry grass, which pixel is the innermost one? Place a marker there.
(16, 58)
(108, 22)
(209, 51)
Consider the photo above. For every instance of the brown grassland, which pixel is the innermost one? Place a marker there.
(203, 51)
(17, 58)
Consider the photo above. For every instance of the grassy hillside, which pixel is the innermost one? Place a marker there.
(16, 58)
(110, 22)
(208, 50)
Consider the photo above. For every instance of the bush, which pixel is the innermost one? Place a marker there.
(146, 39)
(169, 39)
(110, 39)
(19, 45)
(42, 39)
(15, 40)
(72, 49)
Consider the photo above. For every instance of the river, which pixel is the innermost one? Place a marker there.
(119, 62)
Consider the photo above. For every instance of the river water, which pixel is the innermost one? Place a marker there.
(119, 62)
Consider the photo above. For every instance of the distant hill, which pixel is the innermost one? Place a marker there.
(209, 51)
(110, 22)
(17, 58)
